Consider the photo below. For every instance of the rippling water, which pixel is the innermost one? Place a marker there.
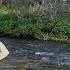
(35, 55)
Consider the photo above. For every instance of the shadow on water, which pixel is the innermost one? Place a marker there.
(35, 55)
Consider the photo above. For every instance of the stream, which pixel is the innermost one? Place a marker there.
(35, 55)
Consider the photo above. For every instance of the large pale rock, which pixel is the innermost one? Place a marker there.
(3, 51)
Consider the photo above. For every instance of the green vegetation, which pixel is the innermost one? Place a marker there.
(34, 28)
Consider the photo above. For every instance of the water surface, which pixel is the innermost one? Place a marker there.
(35, 55)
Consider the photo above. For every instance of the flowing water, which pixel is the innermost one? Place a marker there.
(35, 55)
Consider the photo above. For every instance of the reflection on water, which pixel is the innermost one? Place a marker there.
(35, 55)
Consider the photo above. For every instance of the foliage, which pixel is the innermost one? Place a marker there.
(29, 27)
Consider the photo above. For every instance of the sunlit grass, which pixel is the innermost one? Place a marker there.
(4, 11)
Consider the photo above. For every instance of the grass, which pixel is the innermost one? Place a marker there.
(34, 28)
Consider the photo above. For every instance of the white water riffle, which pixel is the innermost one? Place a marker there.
(44, 53)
